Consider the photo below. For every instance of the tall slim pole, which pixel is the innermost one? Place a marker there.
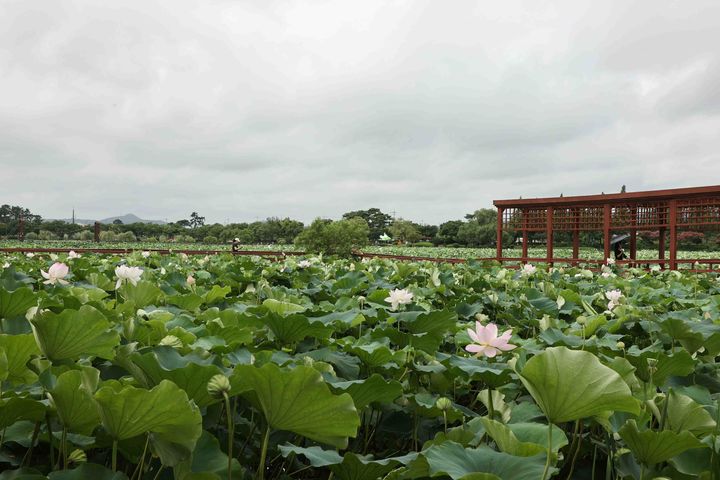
(606, 232)
(501, 210)
(525, 235)
(673, 234)
(549, 235)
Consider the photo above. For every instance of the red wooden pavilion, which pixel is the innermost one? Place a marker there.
(666, 211)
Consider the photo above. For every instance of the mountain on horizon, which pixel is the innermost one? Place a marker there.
(125, 219)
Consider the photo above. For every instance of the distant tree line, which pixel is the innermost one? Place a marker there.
(477, 229)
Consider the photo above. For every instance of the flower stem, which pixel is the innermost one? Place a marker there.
(263, 453)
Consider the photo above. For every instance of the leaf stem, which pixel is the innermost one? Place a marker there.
(263, 453)
(230, 434)
(114, 455)
(50, 439)
(549, 451)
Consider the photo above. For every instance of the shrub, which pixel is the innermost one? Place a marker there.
(334, 238)
(184, 239)
(127, 237)
(423, 244)
(108, 236)
(84, 235)
(211, 240)
(31, 236)
(46, 235)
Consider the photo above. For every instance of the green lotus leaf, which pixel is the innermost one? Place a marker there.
(650, 447)
(88, 471)
(684, 414)
(457, 462)
(74, 333)
(299, 401)
(372, 389)
(507, 441)
(295, 327)
(350, 466)
(216, 293)
(16, 302)
(142, 294)
(572, 384)
(73, 400)
(166, 363)
(282, 308)
(165, 411)
(18, 408)
(22, 474)
(18, 349)
(4, 368)
(188, 301)
(207, 459)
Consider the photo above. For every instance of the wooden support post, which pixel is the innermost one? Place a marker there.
(606, 232)
(661, 246)
(673, 234)
(97, 232)
(21, 228)
(633, 235)
(576, 236)
(549, 235)
(501, 210)
(525, 234)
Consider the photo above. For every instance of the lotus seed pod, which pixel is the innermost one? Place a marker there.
(77, 456)
(443, 403)
(218, 385)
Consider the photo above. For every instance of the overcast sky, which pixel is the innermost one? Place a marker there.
(431, 109)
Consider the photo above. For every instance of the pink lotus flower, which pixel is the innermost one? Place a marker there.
(55, 274)
(190, 280)
(487, 341)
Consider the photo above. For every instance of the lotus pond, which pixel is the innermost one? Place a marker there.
(176, 367)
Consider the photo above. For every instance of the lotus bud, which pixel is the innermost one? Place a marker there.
(218, 386)
(77, 456)
(621, 345)
(361, 302)
(444, 404)
(308, 362)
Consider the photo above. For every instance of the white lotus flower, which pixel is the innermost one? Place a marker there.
(304, 263)
(145, 254)
(528, 269)
(29, 255)
(55, 274)
(399, 297)
(127, 274)
(73, 254)
(610, 261)
(6, 265)
(614, 296)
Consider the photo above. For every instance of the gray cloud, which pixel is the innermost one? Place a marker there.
(243, 110)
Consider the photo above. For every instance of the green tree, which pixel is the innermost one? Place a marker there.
(334, 238)
(404, 231)
(448, 232)
(196, 220)
(377, 221)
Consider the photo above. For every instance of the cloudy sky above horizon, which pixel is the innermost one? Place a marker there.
(244, 109)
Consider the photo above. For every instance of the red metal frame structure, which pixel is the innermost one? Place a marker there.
(666, 211)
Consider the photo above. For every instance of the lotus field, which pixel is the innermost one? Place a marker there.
(173, 367)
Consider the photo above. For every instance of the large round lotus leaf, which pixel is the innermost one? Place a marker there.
(88, 471)
(650, 447)
(572, 384)
(18, 349)
(18, 408)
(299, 401)
(453, 460)
(16, 302)
(165, 411)
(75, 333)
(72, 396)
